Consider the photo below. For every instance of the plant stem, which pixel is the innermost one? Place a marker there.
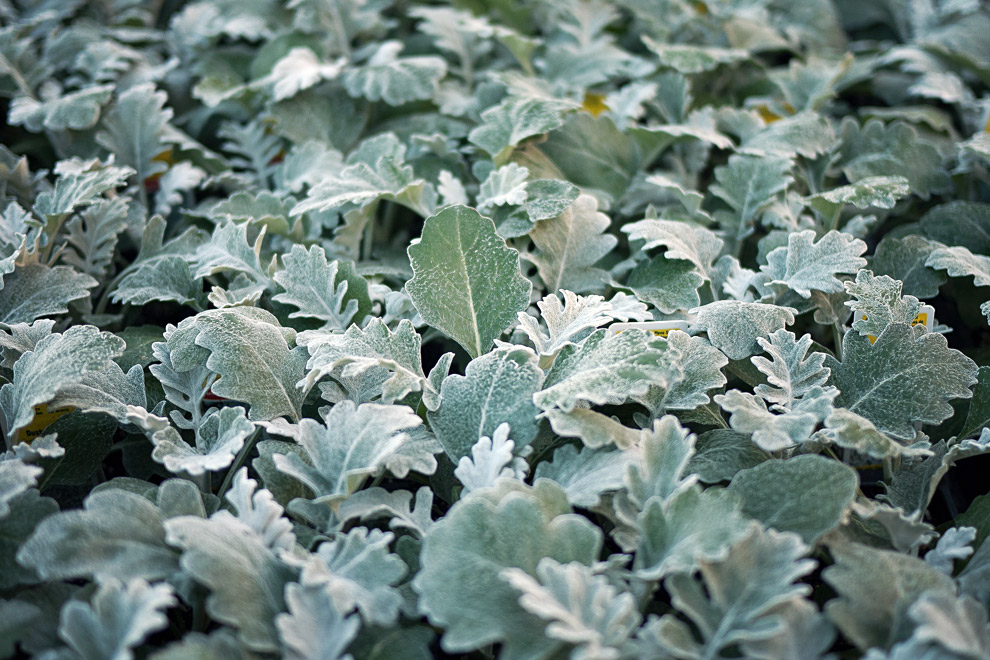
(238, 462)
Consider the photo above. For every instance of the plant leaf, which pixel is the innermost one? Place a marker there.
(570, 245)
(134, 127)
(804, 265)
(36, 290)
(507, 124)
(734, 326)
(313, 629)
(459, 584)
(586, 473)
(318, 288)
(791, 374)
(873, 191)
(904, 259)
(395, 80)
(496, 388)
(900, 379)
(960, 262)
(466, 281)
(698, 245)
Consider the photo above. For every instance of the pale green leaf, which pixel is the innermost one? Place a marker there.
(583, 609)
(92, 236)
(37, 290)
(117, 534)
(318, 289)
(586, 473)
(670, 285)
(504, 186)
(876, 588)
(57, 361)
(355, 442)
(230, 250)
(357, 571)
(313, 628)
(904, 259)
(900, 379)
(748, 184)
(792, 372)
(496, 388)
(775, 432)
(119, 617)
(510, 526)
(491, 458)
(721, 453)
(245, 578)
(592, 153)
(248, 349)
(954, 544)
(873, 191)
(601, 370)
(369, 364)
(805, 265)
(957, 624)
(466, 281)
(660, 470)
(686, 58)
(79, 110)
(743, 589)
(569, 246)
(397, 506)
(698, 245)
(505, 125)
(962, 223)
(16, 477)
(134, 128)
(851, 431)
(219, 437)
(807, 134)
(892, 150)
(734, 326)
(161, 270)
(395, 80)
(570, 323)
(960, 262)
(261, 209)
(595, 429)
(880, 299)
(692, 527)
(76, 189)
(807, 495)
(300, 69)
(692, 367)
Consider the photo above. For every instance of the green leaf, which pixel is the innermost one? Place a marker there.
(119, 617)
(978, 415)
(775, 432)
(395, 80)
(134, 127)
(118, 534)
(491, 458)
(743, 589)
(691, 528)
(892, 150)
(16, 477)
(880, 299)
(24, 513)
(300, 69)
(594, 155)
(229, 250)
(245, 578)
(496, 388)
(510, 526)
(791, 374)
(504, 186)
(161, 271)
(962, 223)
(685, 58)
(901, 379)
(957, 624)
(507, 124)
(873, 191)
(79, 110)
(466, 281)
(682, 241)
(264, 209)
(595, 429)
(569, 246)
(357, 571)
(248, 349)
(370, 503)
(670, 285)
(734, 326)
(354, 443)
(583, 609)
(602, 370)
(851, 431)
(36, 290)
(748, 184)
(904, 259)
(807, 134)
(313, 628)
(875, 590)
(960, 262)
(665, 451)
(219, 437)
(804, 265)
(319, 289)
(807, 495)
(376, 171)
(586, 473)
(373, 363)
(57, 361)
(721, 453)
(692, 367)
(92, 236)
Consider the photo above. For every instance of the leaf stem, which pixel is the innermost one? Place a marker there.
(837, 335)
(238, 462)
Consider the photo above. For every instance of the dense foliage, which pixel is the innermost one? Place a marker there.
(305, 345)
